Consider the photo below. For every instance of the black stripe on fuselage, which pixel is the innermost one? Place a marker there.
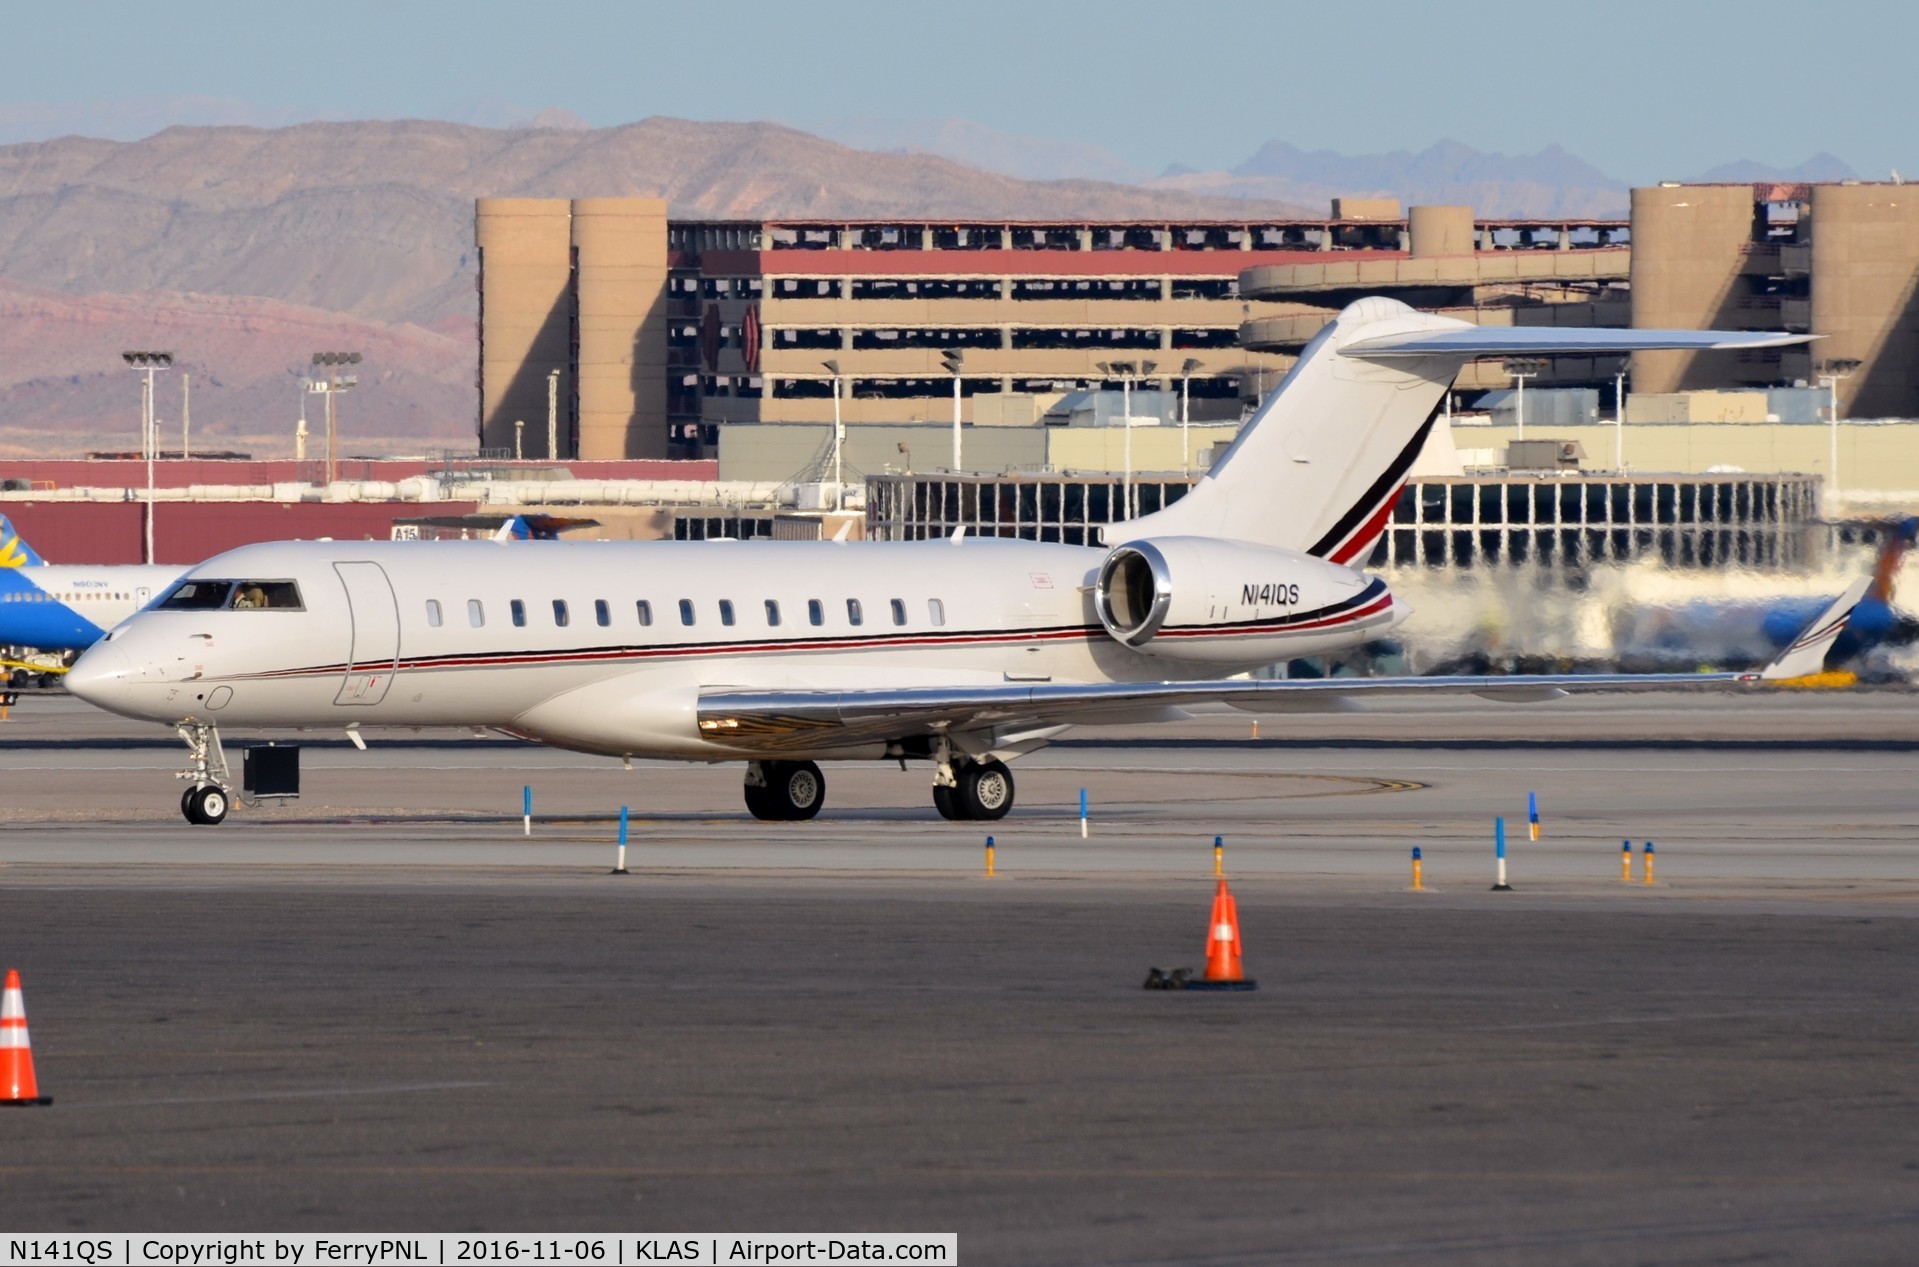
(1380, 489)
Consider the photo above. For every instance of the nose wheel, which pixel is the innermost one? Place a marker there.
(206, 801)
(205, 806)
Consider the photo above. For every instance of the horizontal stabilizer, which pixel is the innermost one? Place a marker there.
(1473, 341)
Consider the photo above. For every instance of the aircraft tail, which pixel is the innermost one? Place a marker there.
(1319, 467)
(14, 550)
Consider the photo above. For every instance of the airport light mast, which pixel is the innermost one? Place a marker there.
(1186, 412)
(1519, 369)
(1830, 374)
(954, 359)
(1124, 371)
(839, 435)
(332, 385)
(1619, 420)
(146, 363)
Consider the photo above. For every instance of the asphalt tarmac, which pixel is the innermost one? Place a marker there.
(383, 1007)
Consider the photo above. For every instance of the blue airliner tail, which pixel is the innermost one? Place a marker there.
(14, 550)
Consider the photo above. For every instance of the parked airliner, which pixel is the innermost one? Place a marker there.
(67, 607)
(963, 653)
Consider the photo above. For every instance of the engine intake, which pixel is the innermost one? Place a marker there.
(1135, 592)
(1230, 602)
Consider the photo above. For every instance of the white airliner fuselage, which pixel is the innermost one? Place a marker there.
(961, 652)
(607, 646)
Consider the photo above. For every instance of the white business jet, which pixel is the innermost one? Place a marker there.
(962, 653)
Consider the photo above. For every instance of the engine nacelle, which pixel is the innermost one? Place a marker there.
(1197, 598)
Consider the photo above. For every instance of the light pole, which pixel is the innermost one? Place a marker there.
(519, 439)
(146, 363)
(300, 432)
(553, 415)
(1619, 421)
(1519, 369)
(1124, 371)
(954, 359)
(186, 416)
(1830, 373)
(839, 434)
(1186, 412)
(334, 384)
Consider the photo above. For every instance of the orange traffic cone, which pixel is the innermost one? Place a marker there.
(1223, 970)
(17, 1085)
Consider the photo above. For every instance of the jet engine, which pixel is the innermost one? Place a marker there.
(1198, 598)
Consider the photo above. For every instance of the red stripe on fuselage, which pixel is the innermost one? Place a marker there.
(1368, 532)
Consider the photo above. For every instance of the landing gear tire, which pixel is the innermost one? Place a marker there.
(986, 790)
(205, 806)
(943, 802)
(794, 791)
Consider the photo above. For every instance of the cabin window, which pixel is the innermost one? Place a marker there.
(476, 613)
(645, 610)
(602, 613)
(560, 617)
(686, 611)
(936, 611)
(433, 612)
(815, 612)
(772, 613)
(899, 611)
(854, 614)
(726, 611)
(518, 609)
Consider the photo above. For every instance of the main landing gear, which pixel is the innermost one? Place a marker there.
(207, 801)
(964, 789)
(784, 791)
(978, 791)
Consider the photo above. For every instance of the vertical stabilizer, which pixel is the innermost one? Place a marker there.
(14, 550)
(1319, 467)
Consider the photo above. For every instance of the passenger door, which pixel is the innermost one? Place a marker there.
(374, 654)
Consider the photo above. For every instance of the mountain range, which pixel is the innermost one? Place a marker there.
(245, 249)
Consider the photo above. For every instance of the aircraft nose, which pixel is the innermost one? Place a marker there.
(101, 674)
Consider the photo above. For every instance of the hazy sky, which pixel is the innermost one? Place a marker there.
(1645, 91)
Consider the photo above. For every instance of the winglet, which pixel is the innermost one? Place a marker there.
(1807, 654)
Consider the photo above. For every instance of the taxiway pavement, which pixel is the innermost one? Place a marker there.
(383, 1007)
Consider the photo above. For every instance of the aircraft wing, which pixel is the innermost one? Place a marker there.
(801, 719)
(1550, 341)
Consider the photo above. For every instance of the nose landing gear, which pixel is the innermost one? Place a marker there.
(206, 802)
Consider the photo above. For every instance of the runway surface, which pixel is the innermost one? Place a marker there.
(383, 1007)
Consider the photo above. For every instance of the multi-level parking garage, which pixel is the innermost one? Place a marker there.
(647, 335)
(662, 331)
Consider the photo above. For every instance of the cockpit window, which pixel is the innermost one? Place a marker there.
(204, 595)
(197, 596)
(278, 595)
